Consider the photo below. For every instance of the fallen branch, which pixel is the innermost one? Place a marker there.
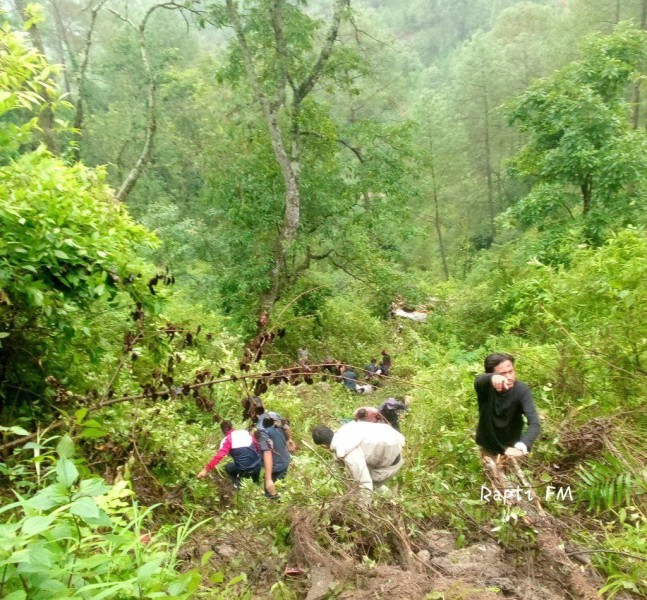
(289, 372)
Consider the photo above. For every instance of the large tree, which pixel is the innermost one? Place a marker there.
(580, 143)
(276, 43)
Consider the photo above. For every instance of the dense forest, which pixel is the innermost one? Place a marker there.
(203, 202)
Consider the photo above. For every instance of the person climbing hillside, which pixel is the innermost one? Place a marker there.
(385, 366)
(371, 451)
(274, 438)
(348, 377)
(503, 402)
(391, 409)
(243, 448)
(371, 369)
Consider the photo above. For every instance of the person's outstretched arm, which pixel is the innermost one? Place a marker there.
(224, 449)
(268, 465)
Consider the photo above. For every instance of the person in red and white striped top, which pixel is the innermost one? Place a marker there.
(243, 448)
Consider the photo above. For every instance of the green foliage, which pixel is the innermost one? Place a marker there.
(66, 248)
(593, 311)
(65, 243)
(80, 537)
(579, 136)
(609, 484)
(27, 79)
(624, 565)
(573, 315)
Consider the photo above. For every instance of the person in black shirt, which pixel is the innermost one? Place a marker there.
(390, 409)
(385, 365)
(503, 401)
(371, 369)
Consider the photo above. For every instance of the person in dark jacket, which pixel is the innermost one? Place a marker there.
(276, 447)
(503, 402)
(391, 409)
(385, 365)
(371, 369)
(275, 440)
(349, 378)
(243, 448)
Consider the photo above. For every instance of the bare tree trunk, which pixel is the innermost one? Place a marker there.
(437, 223)
(635, 113)
(488, 163)
(635, 101)
(62, 42)
(587, 189)
(80, 78)
(46, 117)
(151, 127)
(292, 201)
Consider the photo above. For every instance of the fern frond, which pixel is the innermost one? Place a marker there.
(606, 485)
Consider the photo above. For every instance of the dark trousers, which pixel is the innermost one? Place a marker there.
(392, 418)
(276, 475)
(236, 474)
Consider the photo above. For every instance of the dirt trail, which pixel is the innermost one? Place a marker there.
(432, 567)
(481, 571)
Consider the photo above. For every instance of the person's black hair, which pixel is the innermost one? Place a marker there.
(373, 360)
(252, 407)
(492, 360)
(360, 415)
(226, 427)
(322, 435)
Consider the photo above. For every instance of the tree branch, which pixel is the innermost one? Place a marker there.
(308, 83)
(151, 128)
(281, 50)
(356, 151)
(345, 270)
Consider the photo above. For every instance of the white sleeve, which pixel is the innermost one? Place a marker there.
(356, 463)
(521, 446)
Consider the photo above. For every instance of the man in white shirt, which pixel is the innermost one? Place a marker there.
(371, 451)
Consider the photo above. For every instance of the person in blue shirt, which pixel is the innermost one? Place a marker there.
(276, 446)
(371, 369)
(348, 378)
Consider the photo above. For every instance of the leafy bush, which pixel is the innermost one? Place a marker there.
(80, 537)
(66, 248)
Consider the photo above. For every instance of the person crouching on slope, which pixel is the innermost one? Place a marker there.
(245, 451)
(371, 451)
(275, 440)
(276, 447)
(503, 402)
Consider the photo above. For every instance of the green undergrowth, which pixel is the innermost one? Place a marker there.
(577, 333)
(438, 486)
